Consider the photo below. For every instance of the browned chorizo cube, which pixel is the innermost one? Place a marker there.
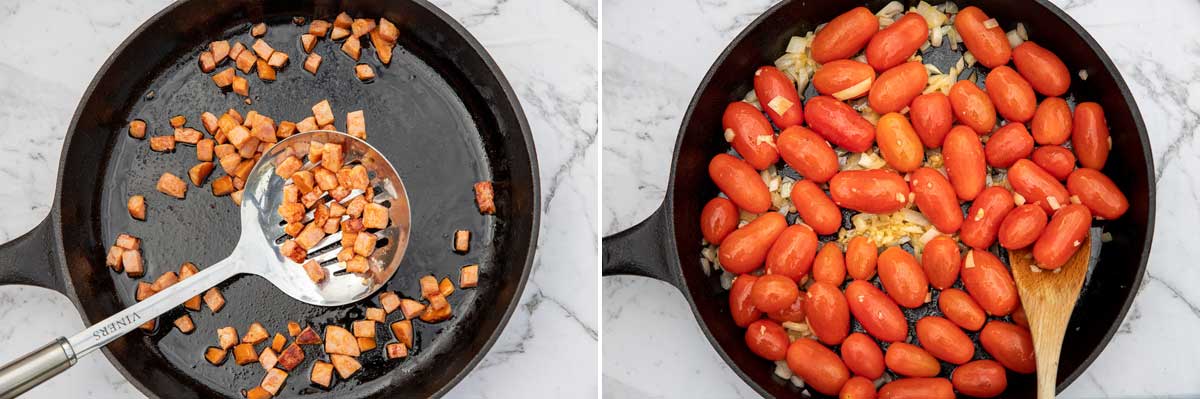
(237, 50)
(131, 260)
(224, 78)
(288, 166)
(375, 216)
(356, 122)
(323, 112)
(326, 180)
(258, 29)
(437, 311)
(322, 374)
(376, 314)
(274, 380)
(184, 324)
(241, 86)
(364, 244)
(127, 241)
(265, 71)
(304, 181)
(429, 286)
(204, 150)
(318, 28)
(255, 334)
(331, 157)
(411, 308)
(149, 325)
(388, 30)
(258, 393)
(215, 356)
(469, 276)
(177, 121)
(277, 342)
(291, 212)
(136, 206)
(238, 136)
(137, 129)
(144, 290)
(339, 341)
(245, 61)
(291, 357)
(363, 328)
(462, 241)
(343, 20)
(365, 344)
(314, 270)
(293, 328)
(361, 26)
(214, 300)
(396, 350)
(267, 358)
(383, 48)
(171, 185)
(220, 50)
(113, 260)
(310, 236)
(227, 337)
(389, 300)
(308, 336)
(222, 186)
(199, 173)
(224, 150)
(187, 135)
(286, 129)
(345, 365)
(364, 73)
(164, 281)
(403, 330)
(293, 229)
(484, 197)
(262, 49)
(311, 63)
(352, 47)
(445, 287)
(210, 121)
(162, 143)
(278, 59)
(357, 264)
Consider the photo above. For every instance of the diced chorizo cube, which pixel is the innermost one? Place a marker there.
(356, 122)
(144, 290)
(304, 181)
(136, 206)
(307, 125)
(113, 260)
(237, 50)
(227, 337)
(149, 325)
(308, 336)
(365, 344)
(288, 166)
(222, 186)
(310, 236)
(376, 314)
(437, 311)
(326, 180)
(171, 185)
(363, 72)
(248, 150)
(322, 374)
(162, 143)
(274, 380)
(323, 112)
(131, 260)
(312, 62)
(177, 121)
(411, 308)
(293, 251)
(237, 116)
(462, 241)
(224, 79)
(445, 287)
(357, 264)
(286, 129)
(361, 26)
(484, 197)
(315, 272)
(359, 179)
(214, 300)
(293, 328)
(396, 351)
(364, 244)
(429, 286)
(468, 276)
(293, 229)
(127, 241)
(363, 328)
(241, 86)
(187, 135)
(339, 33)
(320, 215)
(236, 197)
(383, 49)
(220, 50)
(310, 198)
(329, 127)
(227, 122)
(257, 333)
(265, 70)
(277, 342)
(164, 281)
(204, 150)
(346, 253)
(278, 59)
(345, 365)
(339, 193)
(184, 324)
(258, 393)
(339, 341)
(291, 212)
(318, 28)
(223, 150)
(267, 358)
(264, 131)
(215, 356)
(343, 20)
(389, 300)
(210, 121)
(291, 357)
(245, 61)
(200, 172)
(262, 49)
(238, 136)
(314, 148)
(137, 129)
(375, 216)
(192, 303)
(337, 210)
(352, 47)
(308, 41)
(403, 331)
(258, 29)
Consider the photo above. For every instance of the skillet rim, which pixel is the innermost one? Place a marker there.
(1109, 67)
(55, 216)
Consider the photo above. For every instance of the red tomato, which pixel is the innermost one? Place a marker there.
(932, 118)
(1051, 122)
(1090, 136)
(829, 265)
(895, 88)
(738, 180)
(1056, 160)
(936, 199)
(896, 43)
(828, 313)
(1044, 70)
(961, 309)
(941, 260)
(989, 282)
(1037, 186)
(917, 388)
(792, 254)
(1011, 94)
(1063, 236)
(944, 340)
(1009, 344)
(843, 37)
(773, 292)
(870, 191)
(841, 125)
(745, 249)
(876, 312)
(778, 96)
(1098, 193)
(820, 368)
(899, 143)
(972, 106)
(740, 306)
(815, 207)
(767, 339)
(988, 44)
(843, 79)
(981, 379)
(861, 254)
(985, 216)
(903, 278)
(1022, 226)
(752, 134)
(910, 360)
(793, 313)
(962, 154)
(1008, 144)
(857, 387)
(863, 356)
(718, 219)
(808, 153)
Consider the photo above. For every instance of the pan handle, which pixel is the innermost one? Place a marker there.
(29, 259)
(641, 250)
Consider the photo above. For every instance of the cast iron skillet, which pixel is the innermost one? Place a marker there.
(1108, 292)
(442, 113)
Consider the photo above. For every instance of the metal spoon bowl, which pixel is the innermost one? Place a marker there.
(257, 253)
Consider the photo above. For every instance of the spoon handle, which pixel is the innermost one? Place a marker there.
(30, 370)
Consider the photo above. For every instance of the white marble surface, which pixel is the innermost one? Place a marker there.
(547, 49)
(652, 65)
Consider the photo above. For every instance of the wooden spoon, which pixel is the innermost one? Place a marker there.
(1048, 298)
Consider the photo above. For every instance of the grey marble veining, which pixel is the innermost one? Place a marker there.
(653, 346)
(547, 50)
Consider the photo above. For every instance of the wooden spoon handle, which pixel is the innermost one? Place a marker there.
(1047, 342)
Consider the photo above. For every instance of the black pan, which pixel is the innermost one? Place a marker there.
(666, 246)
(442, 113)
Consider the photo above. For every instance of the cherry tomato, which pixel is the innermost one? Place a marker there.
(1051, 122)
(844, 79)
(861, 254)
(1044, 70)
(863, 356)
(767, 339)
(808, 153)
(1009, 344)
(870, 191)
(738, 180)
(841, 125)
(898, 142)
(777, 94)
(1056, 160)
(820, 368)
(828, 313)
(895, 88)
(815, 207)
(1098, 193)
(903, 278)
(1089, 135)
(910, 360)
(718, 219)
(829, 265)
(941, 260)
(792, 254)
(989, 282)
(961, 309)
(752, 134)
(917, 388)
(1022, 226)
(962, 154)
(745, 249)
(981, 379)
(740, 306)
(936, 199)
(944, 340)
(876, 312)
(1037, 186)
(843, 37)
(988, 44)
(857, 387)
(773, 292)
(1011, 94)
(1008, 144)
(972, 106)
(984, 217)
(932, 118)
(1065, 233)
(896, 43)
(793, 313)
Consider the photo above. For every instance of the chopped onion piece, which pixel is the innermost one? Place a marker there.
(991, 23)
(856, 90)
